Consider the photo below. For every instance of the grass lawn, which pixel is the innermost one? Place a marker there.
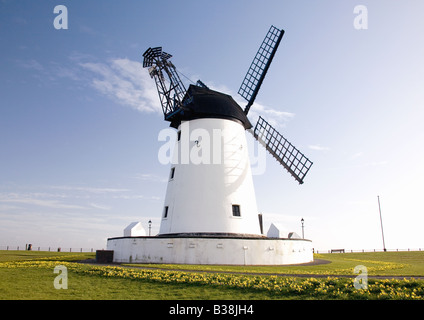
(37, 283)
(29, 275)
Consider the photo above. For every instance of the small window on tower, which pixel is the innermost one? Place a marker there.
(236, 210)
(171, 176)
(179, 135)
(165, 212)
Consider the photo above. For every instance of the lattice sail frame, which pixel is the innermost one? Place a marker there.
(281, 149)
(255, 75)
(170, 87)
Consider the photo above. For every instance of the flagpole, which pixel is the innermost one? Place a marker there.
(381, 222)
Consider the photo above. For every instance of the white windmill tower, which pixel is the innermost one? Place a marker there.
(210, 194)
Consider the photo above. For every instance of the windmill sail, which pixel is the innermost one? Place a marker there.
(259, 67)
(170, 87)
(286, 154)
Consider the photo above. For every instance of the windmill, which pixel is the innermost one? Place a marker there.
(217, 199)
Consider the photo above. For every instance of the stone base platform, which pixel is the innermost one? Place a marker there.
(211, 250)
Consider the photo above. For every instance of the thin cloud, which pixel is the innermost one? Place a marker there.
(42, 203)
(274, 117)
(94, 193)
(318, 147)
(100, 206)
(150, 177)
(357, 155)
(126, 82)
(30, 64)
(94, 190)
(60, 199)
(374, 164)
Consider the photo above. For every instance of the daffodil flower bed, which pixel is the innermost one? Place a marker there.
(304, 288)
(373, 268)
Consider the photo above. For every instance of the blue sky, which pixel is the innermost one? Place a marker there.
(80, 117)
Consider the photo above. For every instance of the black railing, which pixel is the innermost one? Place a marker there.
(28, 247)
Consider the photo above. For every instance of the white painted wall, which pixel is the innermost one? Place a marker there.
(210, 176)
(211, 251)
(134, 229)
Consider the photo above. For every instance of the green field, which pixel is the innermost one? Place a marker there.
(29, 275)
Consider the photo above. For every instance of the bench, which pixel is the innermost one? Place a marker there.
(337, 251)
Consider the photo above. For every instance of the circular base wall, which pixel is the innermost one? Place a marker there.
(214, 250)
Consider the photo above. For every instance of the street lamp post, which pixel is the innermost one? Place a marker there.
(150, 226)
(303, 234)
